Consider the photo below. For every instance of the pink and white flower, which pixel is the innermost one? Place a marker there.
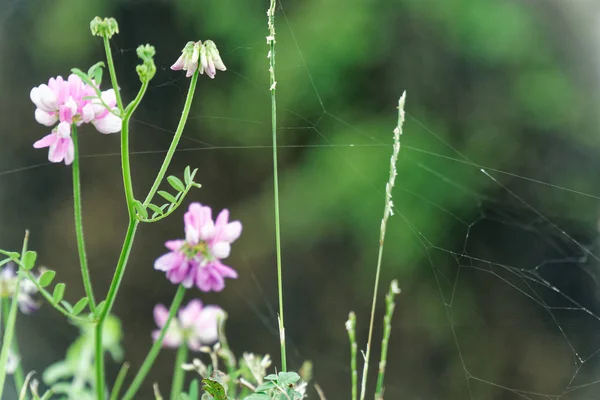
(195, 324)
(27, 289)
(196, 54)
(69, 102)
(197, 259)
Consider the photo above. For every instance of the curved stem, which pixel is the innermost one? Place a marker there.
(113, 75)
(178, 132)
(179, 373)
(153, 353)
(271, 15)
(85, 273)
(9, 328)
(18, 376)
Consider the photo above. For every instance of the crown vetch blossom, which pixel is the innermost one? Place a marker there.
(70, 102)
(195, 324)
(8, 285)
(195, 54)
(197, 259)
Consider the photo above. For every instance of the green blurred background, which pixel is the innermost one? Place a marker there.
(509, 85)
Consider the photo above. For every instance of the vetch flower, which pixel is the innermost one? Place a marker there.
(197, 259)
(188, 60)
(210, 59)
(68, 102)
(195, 324)
(8, 285)
(196, 54)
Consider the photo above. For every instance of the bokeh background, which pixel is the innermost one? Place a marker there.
(511, 86)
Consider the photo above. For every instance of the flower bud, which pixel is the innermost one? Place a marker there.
(106, 27)
(147, 70)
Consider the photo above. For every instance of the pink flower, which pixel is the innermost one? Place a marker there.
(60, 144)
(197, 259)
(71, 102)
(195, 325)
(196, 54)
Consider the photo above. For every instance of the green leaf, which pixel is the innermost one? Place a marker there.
(214, 388)
(80, 305)
(46, 278)
(58, 293)
(271, 377)
(167, 196)
(266, 386)
(29, 260)
(67, 306)
(139, 207)
(187, 175)
(176, 183)
(99, 308)
(155, 208)
(95, 72)
(258, 396)
(288, 378)
(194, 390)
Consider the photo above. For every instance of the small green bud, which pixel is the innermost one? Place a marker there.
(147, 70)
(106, 27)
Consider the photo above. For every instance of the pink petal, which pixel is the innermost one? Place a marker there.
(174, 245)
(160, 315)
(221, 250)
(70, 154)
(109, 123)
(178, 64)
(58, 150)
(179, 274)
(224, 270)
(206, 325)
(190, 313)
(87, 113)
(46, 141)
(231, 231)
(45, 118)
(169, 261)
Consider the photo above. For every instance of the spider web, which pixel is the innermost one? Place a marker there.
(514, 285)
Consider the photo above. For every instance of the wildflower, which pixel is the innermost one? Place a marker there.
(195, 325)
(71, 102)
(13, 361)
(207, 55)
(197, 259)
(8, 285)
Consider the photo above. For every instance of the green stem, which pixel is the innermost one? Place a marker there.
(351, 328)
(110, 299)
(113, 75)
(85, 273)
(153, 353)
(271, 15)
(390, 305)
(179, 373)
(114, 395)
(131, 107)
(9, 328)
(18, 376)
(178, 132)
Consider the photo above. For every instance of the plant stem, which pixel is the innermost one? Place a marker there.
(114, 395)
(18, 374)
(179, 373)
(386, 214)
(271, 55)
(85, 273)
(178, 132)
(351, 328)
(390, 305)
(153, 353)
(113, 75)
(9, 328)
(110, 299)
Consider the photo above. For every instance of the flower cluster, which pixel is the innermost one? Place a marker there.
(71, 102)
(8, 286)
(205, 53)
(197, 259)
(196, 325)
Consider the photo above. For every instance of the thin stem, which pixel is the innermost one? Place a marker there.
(178, 132)
(386, 214)
(179, 373)
(9, 328)
(390, 305)
(271, 55)
(85, 273)
(110, 299)
(131, 107)
(153, 353)
(113, 75)
(351, 328)
(18, 376)
(114, 394)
